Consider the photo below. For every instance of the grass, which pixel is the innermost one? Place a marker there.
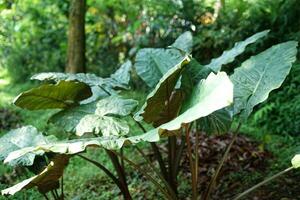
(85, 181)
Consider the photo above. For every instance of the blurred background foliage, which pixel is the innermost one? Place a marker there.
(33, 38)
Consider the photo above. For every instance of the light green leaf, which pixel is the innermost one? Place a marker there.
(121, 77)
(152, 63)
(72, 147)
(115, 105)
(184, 42)
(19, 138)
(46, 181)
(102, 124)
(214, 93)
(89, 79)
(261, 74)
(296, 161)
(62, 95)
(210, 95)
(161, 93)
(229, 55)
(97, 117)
(217, 122)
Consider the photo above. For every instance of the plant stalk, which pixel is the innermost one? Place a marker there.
(156, 151)
(262, 183)
(150, 178)
(108, 173)
(171, 162)
(196, 157)
(121, 174)
(178, 156)
(192, 166)
(170, 189)
(46, 197)
(62, 187)
(225, 156)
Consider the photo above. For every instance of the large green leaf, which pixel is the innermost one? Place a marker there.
(19, 138)
(101, 87)
(184, 42)
(63, 94)
(261, 74)
(214, 93)
(97, 117)
(220, 120)
(75, 146)
(193, 73)
(89, 79)
(121, 77)
(46, 181)
(229, 55)
(157, 99)
(210, 95)
(151, 64)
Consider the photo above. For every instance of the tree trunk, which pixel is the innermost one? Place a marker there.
(76, 37)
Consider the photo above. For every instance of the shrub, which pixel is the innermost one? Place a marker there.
(187, 98)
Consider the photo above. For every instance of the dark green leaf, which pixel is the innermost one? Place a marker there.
(62, 95)
(217, 122)
(162, 92)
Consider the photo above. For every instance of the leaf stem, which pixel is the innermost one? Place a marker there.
(262, 183)
(178, 155)
(46, 197)
(62, 187)
(190, 154)
(157, 172)
(225, 156)
(105, 170)
(137, 167)
(156, 151)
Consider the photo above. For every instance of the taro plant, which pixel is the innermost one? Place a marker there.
(187, 99)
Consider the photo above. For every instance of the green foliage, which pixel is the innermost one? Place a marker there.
(97, 117)
(33, 35)
(151, 63)
(239, 48)
(208, 99)
(46, 180)
(161, 93)
(20, 138)
(64, 94)
(280, 114)
(211, 94)
(261, 74)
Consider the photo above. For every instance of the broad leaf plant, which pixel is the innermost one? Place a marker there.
(186, 98)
